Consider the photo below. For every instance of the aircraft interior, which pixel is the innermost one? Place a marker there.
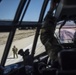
(31, 64)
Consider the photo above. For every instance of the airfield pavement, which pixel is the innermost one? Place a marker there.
(20, 34)
(23, 39)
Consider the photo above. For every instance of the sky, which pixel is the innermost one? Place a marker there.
(8, 9)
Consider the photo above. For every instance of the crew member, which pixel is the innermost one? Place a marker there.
(15, 50)
(47, 33)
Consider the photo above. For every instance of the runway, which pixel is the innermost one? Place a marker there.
(24, 44)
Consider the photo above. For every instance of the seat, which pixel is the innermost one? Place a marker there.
(66, 10)
(73, 72)
(67, 61)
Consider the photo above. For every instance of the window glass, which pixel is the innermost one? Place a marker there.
(47, 9)
(23, 39)
(8, 9)
(66, 32)
(3, 40)
(39, 48)
(33, 10)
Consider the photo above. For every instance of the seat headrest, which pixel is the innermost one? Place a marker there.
(68, 2)
(66, 10)
(67, 59)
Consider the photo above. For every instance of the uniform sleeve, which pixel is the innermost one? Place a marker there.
(48, 28)
(47, 32)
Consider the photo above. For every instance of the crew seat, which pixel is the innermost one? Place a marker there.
(66, 10)
(67, 61)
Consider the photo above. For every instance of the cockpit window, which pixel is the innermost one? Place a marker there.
(66, 32)
(3, 40)
(23, 39)
(33, 10)
(8, 9)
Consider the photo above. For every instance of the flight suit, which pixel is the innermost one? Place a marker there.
(47, 36)
(15, 50)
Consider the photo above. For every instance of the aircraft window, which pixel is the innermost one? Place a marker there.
(39, 48)
(47, 9)
(8, 9)
(23, 39)
(33, 10)
(66, 32)
(3, 40)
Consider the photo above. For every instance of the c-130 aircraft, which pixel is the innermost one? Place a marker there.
(64, 11)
